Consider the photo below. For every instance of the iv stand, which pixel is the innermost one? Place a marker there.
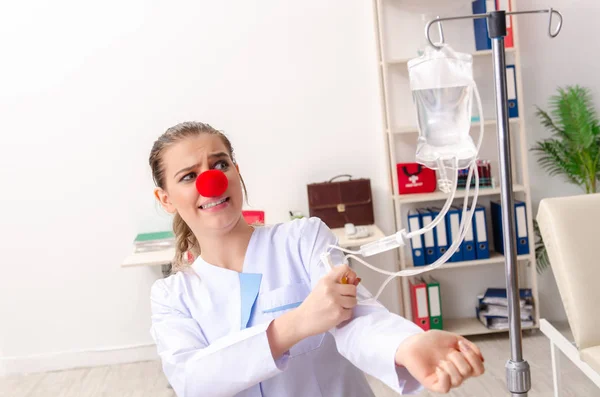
(518, 377)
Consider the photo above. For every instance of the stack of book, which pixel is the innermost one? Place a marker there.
(492, 308)
(155, 241)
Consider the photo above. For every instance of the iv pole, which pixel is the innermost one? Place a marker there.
(518, 377)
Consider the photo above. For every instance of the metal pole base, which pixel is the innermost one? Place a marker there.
(518, 377)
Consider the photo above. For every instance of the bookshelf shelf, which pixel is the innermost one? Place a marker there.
(472, 326)
(400, 33)
(495, 258)
(483, 53)
(414, 130)
(437, 196)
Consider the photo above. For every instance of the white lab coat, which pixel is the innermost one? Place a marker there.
(210, 324)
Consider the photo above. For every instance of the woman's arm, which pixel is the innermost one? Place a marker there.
(193, 367)
(371, 339)
(283, 333)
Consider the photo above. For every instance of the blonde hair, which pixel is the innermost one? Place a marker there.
(186, 241)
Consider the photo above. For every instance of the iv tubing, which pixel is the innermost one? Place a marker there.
(465, 220)
(452, 249)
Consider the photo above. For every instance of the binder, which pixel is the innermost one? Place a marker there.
(416, 243)
(506, 6)
(468, 244)
(511, 91)
(452, 228)
(429, 237)
(480, 227)
(521, 231)
(496, 212)
(434, 299)
(441, 234)
(419, 302)
(480, 28)
(521, 228)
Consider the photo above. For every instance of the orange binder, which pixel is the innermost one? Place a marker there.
(420, 303)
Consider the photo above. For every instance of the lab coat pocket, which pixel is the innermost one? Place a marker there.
(281, 300)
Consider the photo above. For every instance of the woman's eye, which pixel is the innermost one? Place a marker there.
(222, 165)
(188, 177)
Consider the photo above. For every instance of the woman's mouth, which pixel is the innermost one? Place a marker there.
(215, 204)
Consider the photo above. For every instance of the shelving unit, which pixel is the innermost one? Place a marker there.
(400, 32)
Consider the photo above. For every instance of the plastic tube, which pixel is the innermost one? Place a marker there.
(401, 237)
(451, 250)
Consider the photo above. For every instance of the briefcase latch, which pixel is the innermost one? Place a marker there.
(341, 208)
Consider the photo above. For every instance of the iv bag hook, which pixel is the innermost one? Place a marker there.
(439, 20)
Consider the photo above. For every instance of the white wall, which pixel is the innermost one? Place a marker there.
(86, 88)
(548, 63)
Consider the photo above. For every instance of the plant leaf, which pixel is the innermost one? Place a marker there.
(547, 122)
(576, 115)
(541, 255)
(557, 159)
(575, 150)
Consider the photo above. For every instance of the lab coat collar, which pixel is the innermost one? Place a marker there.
(204, 268)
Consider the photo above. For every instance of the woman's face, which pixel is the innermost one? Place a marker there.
(183, 162)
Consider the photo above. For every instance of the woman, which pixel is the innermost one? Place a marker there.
(257, 313)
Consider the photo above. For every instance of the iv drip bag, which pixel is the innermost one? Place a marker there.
(442, 86)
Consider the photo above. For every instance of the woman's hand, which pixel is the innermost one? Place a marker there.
(440, 360)
(330, 302)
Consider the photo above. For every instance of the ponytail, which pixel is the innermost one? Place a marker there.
(185, 244)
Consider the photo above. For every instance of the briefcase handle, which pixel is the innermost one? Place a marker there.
(339, 176)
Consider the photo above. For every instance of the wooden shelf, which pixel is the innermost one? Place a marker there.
(153, 258)
(495, 258)
(472, 326)
(475, 54)
(414, 130)
(425, 197)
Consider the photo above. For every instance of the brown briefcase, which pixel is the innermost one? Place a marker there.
(338, 203)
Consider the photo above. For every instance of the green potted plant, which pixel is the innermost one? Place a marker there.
(573, 150)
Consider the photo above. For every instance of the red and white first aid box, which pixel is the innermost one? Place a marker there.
(415, 178)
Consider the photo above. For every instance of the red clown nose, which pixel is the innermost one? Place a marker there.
(212, 183)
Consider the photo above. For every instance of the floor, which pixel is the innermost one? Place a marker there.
(145, 379)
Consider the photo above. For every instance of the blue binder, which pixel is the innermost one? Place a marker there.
(429, 241)
(441, 233)
(416, 243)
(480, 28)
(522, 234)
(482, 250)
(467, 247)
(452, 228)
(521, 228)
(511, 91)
